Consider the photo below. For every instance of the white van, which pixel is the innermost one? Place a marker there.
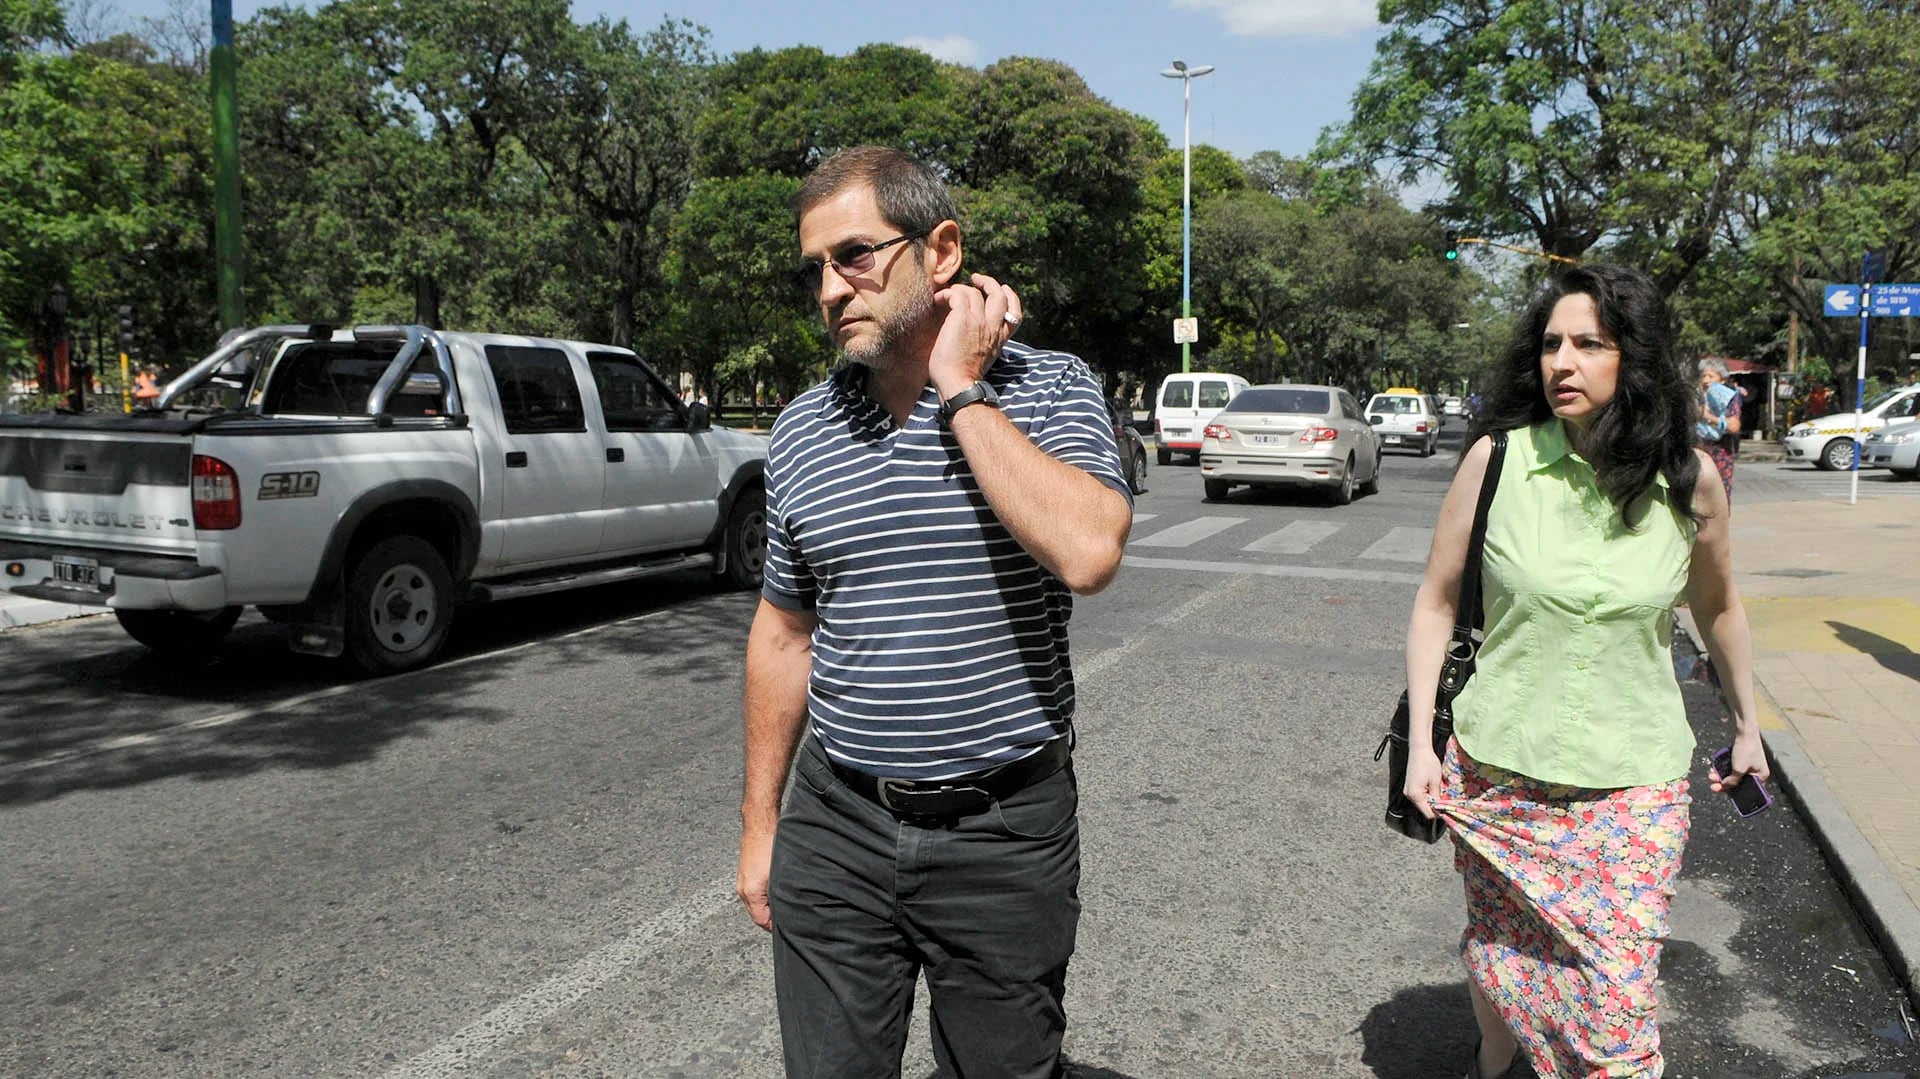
(1186, 404)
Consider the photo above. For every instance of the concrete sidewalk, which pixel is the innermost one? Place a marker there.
(21, 611)
(1833, 600)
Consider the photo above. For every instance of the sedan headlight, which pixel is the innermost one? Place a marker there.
(1897, 440)
(1800, 430)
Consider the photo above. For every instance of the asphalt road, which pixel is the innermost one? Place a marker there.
(520, 862)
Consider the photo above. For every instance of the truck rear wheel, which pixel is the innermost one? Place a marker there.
(746, 539)
(399, 604)
(179, 633)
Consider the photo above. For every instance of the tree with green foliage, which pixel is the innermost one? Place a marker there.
(1842, 178)
(741, 324)
(1628, 122)
(100, 161)
(1307, 289)
(616, 131)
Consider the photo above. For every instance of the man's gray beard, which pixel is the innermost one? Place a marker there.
(896, 330)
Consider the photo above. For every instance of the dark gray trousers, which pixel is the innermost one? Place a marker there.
(986, 906)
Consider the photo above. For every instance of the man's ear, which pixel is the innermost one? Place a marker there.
(943, 253)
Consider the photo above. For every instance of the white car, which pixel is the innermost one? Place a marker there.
(1291, 436)
(1405, 419)
(1829, 441)
(1896, 448)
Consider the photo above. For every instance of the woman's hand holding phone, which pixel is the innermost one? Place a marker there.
(1745, 786)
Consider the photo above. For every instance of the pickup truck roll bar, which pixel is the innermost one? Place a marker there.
(205, 369)
(413, 338)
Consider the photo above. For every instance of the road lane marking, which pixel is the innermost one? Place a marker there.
(240, 715)
(1297, 538)
(1260, 570)
(1401, 545)
(1187, 533)
(1139, 517)
(461, 1052)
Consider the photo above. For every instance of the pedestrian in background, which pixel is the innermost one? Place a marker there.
(931, 510)
(1565, 784)
(699, 411)
(1819, 402)
(1719, 419)
(146, 387)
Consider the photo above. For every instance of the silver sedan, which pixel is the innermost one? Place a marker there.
(1291, 436)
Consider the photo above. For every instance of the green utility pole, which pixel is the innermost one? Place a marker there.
(226, 168)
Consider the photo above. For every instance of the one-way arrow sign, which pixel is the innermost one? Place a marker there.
(1889, 301)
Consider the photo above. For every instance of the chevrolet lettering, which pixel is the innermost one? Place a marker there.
(358, 486)
(110, 519)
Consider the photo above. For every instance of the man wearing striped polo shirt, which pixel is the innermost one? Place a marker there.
(931, 510)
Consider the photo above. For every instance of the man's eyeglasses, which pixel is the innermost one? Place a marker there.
(850, 261)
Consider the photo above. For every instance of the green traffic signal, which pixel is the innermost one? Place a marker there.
(1453, 246)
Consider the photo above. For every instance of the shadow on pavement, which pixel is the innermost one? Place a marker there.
(1889, 653)
(1420, 1033)
(83, 718)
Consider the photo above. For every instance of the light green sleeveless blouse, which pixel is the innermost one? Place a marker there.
(1575, 680)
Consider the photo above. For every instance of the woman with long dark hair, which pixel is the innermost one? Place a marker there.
(1565, 786)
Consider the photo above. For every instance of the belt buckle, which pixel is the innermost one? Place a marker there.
(889, 789)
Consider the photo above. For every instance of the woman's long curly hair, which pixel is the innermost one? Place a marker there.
(1647, 429)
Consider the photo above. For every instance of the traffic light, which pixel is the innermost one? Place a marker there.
(126, 327)
(1453, 246)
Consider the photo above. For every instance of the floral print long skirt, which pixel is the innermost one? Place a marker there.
(1567, 894)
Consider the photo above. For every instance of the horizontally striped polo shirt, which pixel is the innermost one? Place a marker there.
(941, 645)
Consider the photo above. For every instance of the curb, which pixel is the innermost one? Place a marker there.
(17, 613)
(1889, 913)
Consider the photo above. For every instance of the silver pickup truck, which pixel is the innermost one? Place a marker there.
(356, 485)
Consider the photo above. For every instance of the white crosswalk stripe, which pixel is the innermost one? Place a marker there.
(1139, 517)
(1401, 545)
(1296, 538)
(1187, 533)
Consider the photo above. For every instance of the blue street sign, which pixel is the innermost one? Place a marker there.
(1894, 301)
(1886, 301)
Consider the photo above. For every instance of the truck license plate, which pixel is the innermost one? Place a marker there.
(76, 572)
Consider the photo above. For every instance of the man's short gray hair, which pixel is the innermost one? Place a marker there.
(911, 196)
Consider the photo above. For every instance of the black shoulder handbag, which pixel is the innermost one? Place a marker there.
(1402, 817)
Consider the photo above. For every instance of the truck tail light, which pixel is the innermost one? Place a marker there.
(1318, 434)
(1219, 431)
(216, 494)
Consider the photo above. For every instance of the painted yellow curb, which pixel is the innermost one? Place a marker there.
(1834, 625)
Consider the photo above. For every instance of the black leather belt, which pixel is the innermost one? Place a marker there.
(957, 797)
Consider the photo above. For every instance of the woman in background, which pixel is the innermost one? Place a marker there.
(1719, 423)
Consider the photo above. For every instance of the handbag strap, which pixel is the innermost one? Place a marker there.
(1467, 614)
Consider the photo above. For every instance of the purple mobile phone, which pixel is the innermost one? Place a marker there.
(1749, 795)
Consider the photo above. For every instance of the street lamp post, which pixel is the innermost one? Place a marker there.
(1186, 75)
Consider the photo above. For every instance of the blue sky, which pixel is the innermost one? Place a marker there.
(1284, 68)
